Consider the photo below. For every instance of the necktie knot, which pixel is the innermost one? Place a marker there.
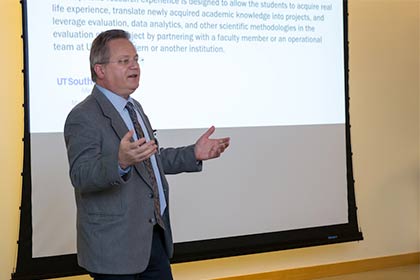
(129, 106)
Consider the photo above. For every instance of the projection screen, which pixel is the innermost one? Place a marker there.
(272, 75)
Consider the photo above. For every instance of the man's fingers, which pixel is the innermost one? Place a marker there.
(145, 151)
(224, 141)
(142, 147)
(139, 143)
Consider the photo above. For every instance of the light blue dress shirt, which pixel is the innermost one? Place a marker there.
(119, 104)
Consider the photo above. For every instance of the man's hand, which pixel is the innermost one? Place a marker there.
(131, 153)
(206, 148)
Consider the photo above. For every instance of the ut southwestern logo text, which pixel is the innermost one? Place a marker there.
(86, 81)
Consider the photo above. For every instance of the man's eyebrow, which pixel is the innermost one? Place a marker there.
(127, 55)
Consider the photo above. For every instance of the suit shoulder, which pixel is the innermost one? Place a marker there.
(88, 106)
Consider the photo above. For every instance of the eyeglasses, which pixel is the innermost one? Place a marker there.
(125, 61)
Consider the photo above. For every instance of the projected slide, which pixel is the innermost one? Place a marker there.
(231, 63)
(269, 74)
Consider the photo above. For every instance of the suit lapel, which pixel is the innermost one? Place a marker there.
(110, 112)
(118, 125)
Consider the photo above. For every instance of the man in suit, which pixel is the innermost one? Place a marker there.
(117, 170)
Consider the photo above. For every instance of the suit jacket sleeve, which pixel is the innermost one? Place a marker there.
(177, 160)
(93, 160)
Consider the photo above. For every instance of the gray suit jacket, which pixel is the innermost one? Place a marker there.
(115, 215)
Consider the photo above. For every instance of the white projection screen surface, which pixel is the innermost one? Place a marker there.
(272, 75)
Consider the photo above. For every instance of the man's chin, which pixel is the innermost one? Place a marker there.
(133, 86)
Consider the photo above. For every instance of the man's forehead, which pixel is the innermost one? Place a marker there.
(121, 45)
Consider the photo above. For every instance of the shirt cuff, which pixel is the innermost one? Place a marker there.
(123, 172)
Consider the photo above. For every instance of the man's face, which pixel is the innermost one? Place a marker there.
(121, 74)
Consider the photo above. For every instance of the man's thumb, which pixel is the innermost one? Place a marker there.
(127, 137)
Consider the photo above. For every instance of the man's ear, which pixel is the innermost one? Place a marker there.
(99, 70)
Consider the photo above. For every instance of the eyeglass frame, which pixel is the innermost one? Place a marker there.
(124, 61)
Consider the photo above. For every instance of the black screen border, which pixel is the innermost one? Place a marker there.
(66, 265)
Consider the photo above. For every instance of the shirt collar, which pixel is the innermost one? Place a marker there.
(116, 100)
